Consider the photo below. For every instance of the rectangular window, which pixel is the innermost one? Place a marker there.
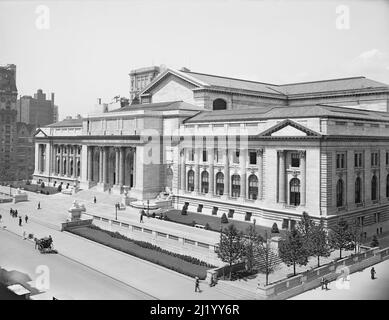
(358, 160)
(247, 217)
(235, 157)
(377, 217)
(340, 161)
(295, 160)
(205, 156)
(374, 159)
(253, 157)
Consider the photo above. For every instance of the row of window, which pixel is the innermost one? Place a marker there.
(340, 190)
(341, 162)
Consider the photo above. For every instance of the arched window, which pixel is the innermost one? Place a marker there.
(358, 190)
(340, 193)
(204, 182)
(235, 186)
(253, 187)
(190, 180)
(374, 188)
(219, 104)
(294, 187)
(219, 183)
(387, 186)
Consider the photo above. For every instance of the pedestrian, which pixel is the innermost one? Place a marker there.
(141, 217)
(20, 221)
(94, 199)
(372, 273)
(326, 283)
(11, 212)
(39, 205)
(26, 218)
(322, 281)
(197, 285)
(24, 235)
(16, 213)
(1, 217)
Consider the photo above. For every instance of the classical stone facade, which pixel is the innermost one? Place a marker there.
(238, 155)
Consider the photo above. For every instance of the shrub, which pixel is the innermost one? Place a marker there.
(374, 242)
(224, 218)
(42, 185)
(274, 228)
(59, 189)
(28, 182)
(153, 215)
(193, 223)
(184, 211)
(207, 227)
(47, 192)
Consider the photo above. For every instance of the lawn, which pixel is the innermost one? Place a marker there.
(214, 222)
(145, 251)
(34, 187)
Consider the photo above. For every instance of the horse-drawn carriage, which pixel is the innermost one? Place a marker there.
(45, 245)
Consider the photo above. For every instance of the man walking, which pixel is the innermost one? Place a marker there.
(20, 221)
(141, 217)
(197, 285)
(372, 273)
(26, 218)
(39, 205)
(94, 199)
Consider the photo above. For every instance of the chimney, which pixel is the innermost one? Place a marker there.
(52, 97)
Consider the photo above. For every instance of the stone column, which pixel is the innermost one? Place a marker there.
(183, 171)
(281, 176)
(105, 166)
(211, 158)
(101, 180)
(226, 172)
(303, 178)
(90, 163)
(121, 166)
(75, 149)
(61, 160)
(117, 166)
(260, 173)
(197, 170)
(243, 179)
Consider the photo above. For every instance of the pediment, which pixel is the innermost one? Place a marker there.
(289, 128)
(40, 134)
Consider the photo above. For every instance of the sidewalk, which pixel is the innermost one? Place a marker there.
(155, 280)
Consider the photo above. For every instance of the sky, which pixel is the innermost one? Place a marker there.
(84, 50)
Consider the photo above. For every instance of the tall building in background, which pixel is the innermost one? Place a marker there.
(37, 111)
(140, 78)
(8, 118)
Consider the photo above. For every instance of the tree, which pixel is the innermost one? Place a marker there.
(341, 237)
(355, 231)
(267, 260)
(374, 242)
(231, 246)
(274, 228)
(318, 242)
(224, 218)
(251, 247)
(292, 250)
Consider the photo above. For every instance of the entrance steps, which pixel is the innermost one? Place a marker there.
(101, 197)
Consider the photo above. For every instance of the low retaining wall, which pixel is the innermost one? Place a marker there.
(168, 241)
(223, 271)
(75, 224)
(312, 278)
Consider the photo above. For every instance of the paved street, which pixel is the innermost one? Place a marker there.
(157, 281)
(67, 277)
(359, 287)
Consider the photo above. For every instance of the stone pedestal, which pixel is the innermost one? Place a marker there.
(75, 211)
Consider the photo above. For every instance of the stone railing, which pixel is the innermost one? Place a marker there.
(310, 279)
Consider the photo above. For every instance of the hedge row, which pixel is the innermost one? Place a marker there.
(184, 264)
